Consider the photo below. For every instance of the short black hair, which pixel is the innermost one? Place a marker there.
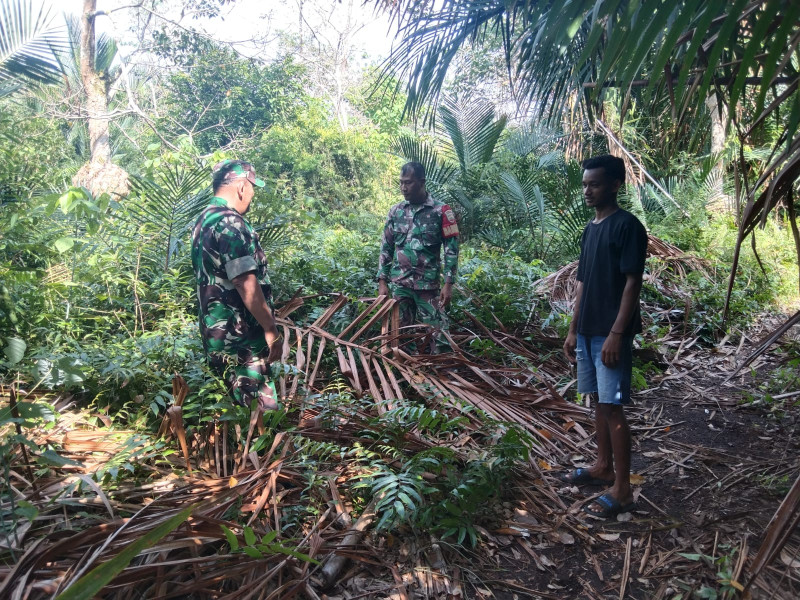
(414, 167)
(218, 178)
(613, 166)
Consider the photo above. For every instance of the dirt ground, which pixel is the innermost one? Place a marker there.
(710, 472)
(710, 468)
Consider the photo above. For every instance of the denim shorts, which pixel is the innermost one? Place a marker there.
(613, 386)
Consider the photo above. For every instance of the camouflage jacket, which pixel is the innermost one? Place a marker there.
(224, 246)
(412, 240)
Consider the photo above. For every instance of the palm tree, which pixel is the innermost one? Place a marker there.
(674, 53)
(71, 89)
(28, 40)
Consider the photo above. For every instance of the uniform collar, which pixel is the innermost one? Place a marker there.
(428, 202)
(217, 201)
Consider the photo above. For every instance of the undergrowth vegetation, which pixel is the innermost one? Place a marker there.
(99, 304)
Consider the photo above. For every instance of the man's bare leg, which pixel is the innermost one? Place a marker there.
(620, 436)
(603, 467)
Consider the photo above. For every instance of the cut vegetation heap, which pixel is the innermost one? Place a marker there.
(390, 460)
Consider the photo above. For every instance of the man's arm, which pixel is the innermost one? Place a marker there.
(572, 335)
(630, 298)
(253, 297)
(450, 269)
(386, 258)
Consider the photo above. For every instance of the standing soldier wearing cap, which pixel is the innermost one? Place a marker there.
(415, 231)
(237, 323)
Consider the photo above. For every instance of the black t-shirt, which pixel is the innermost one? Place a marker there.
(609, 250)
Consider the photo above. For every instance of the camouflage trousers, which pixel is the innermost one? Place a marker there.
(246, 380)
(422, 306)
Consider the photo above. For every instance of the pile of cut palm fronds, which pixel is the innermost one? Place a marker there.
(214, 519)
(517, 388)
(204, 524)
(666, 272)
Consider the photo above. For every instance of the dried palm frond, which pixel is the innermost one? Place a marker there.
(764, 345)
(198, 557)
(560, 285)
(783, 524)
(187, 560)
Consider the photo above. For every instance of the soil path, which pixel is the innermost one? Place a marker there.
(711, 471)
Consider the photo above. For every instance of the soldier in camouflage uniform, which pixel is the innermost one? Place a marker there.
(415, 231)
(233, 288)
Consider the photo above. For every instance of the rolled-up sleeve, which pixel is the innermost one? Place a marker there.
(239, 266)
(236, 248)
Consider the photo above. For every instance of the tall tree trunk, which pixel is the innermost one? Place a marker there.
(98, 175)
(718, 202)
(96, 89)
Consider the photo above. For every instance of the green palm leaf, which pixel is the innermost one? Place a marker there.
(553, 49)
(473, 130)
(273, 235)
(28, 40)
(69, 58)
(160, 211)
(528, 138)
(431, 40)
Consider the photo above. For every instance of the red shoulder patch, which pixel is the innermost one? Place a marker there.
(449, 223)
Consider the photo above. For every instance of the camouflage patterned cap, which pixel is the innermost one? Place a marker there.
(240, 169)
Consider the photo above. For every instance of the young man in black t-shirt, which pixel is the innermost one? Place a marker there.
(600, 338)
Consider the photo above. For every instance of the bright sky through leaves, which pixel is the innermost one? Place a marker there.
(246, 20)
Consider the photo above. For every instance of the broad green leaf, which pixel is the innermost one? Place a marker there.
(64, 244)
(406, 500)
(26, 509)
(473, 536)
(233, 541)
(15, 350)
(707, 592)
(95, 580)
(252, 552)
(452, 508)
(249, 536)
(50, 457)
(65, 372)
(267, 539)
(689, 556)
(68, 200)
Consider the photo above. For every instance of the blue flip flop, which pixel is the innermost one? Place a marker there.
(582, 477)
(611, 507)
